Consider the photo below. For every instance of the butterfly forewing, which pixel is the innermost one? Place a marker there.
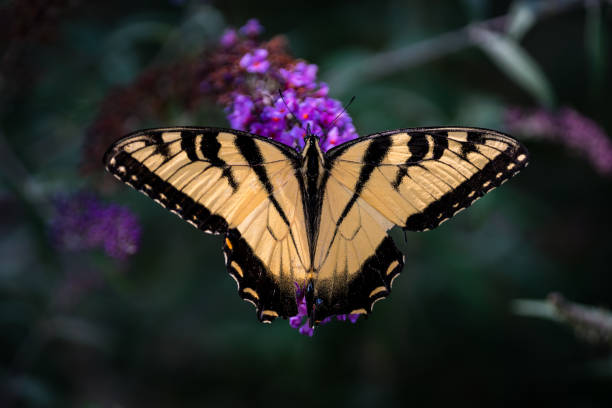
(428, 175)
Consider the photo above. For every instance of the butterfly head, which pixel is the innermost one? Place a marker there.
(311, 142)
(312, 147)
(311, 139)
(309, 134)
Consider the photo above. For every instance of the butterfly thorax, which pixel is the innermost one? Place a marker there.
(313, 161)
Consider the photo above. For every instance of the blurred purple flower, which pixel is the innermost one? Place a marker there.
(255, 62)
(252, 28)
(567, 127)
(240, 113)
(302, 75)
(300, 321)
(229, 38)
(82, 222)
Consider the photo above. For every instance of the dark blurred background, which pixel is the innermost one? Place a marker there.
(468, 321)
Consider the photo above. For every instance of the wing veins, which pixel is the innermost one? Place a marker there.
(401, 195)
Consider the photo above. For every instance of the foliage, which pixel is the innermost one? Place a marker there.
(89, 321)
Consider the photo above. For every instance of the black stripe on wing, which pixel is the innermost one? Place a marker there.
(253, 156)
(209, 148)
(372, 283)
(372, 158)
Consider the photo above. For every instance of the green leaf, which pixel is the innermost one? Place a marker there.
(522, 17)
(516, 63)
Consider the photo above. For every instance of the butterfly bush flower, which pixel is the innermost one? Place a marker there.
(241, 114)
(83, 222)
(300, 321)
(567, 127)
(252, 28)
(272, 113)
(229, 38)
(255, 62)
(302, 75)
(268, 93)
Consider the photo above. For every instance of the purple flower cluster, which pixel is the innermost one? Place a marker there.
(82, 221)
(568, 127)
(304, 104)
(300, 321)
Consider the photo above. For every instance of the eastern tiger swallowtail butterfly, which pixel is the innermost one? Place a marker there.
(314, 220)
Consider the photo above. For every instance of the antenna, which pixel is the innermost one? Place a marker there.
(280, 93)
(340, 114)
(289, 109)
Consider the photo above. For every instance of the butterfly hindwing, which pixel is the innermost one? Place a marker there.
(233, 183)
(355, 260)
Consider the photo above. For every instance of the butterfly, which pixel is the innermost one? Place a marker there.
(314, 222)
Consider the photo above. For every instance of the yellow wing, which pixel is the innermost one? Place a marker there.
(233, 183)
(412, 178)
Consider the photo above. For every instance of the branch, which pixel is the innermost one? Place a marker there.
(400, 59)
(591, 323)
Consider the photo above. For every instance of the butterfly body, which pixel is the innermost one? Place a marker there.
(314, 222)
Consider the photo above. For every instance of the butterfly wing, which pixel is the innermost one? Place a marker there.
(233, 183)
(412, 178)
